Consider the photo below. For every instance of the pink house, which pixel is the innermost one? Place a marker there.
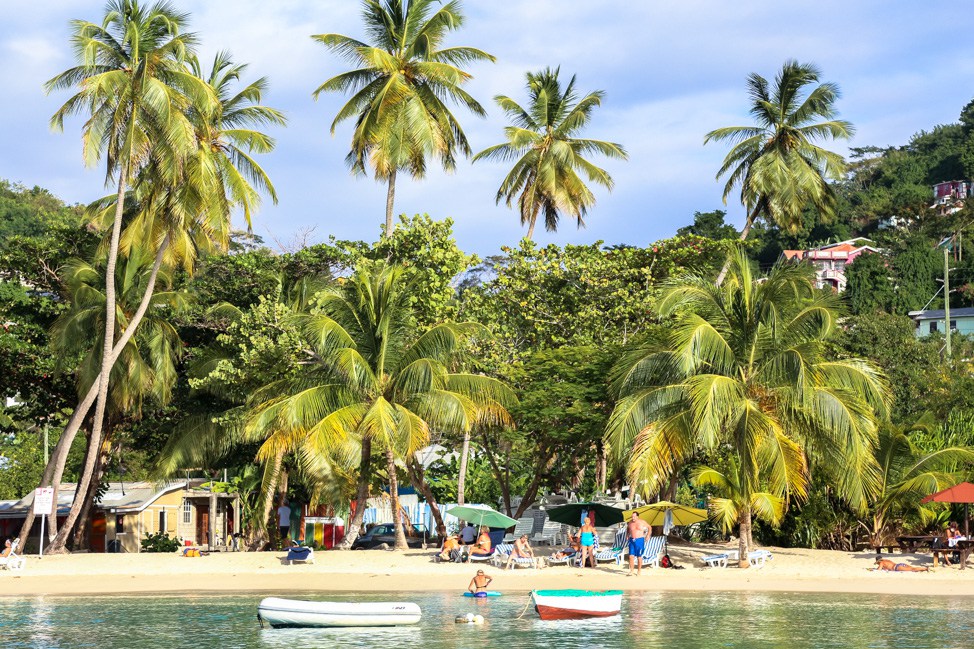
(830, 260)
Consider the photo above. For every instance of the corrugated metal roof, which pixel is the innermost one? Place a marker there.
(938, 314)
(122, 496)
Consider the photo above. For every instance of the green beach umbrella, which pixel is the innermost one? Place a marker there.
(655, 513)
(571, 514)
(482, 516)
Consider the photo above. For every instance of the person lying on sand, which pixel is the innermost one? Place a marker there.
(887, 565)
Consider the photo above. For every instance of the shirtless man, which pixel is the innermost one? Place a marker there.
(522, 550)
(886, 564)
(638, 531)
(478, 585)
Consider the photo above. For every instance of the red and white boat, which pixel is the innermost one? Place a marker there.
(570, 604)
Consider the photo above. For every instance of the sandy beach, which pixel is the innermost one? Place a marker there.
(791, 570)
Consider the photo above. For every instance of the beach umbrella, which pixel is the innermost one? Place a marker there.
(482, 516)
(571, 514)
(961, 493)
(658, 513)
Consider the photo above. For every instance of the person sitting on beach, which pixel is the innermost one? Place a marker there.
(889, 566)
(522, 550)
(7, 549)
(450, 544)
(478, 585)
(482, 546)
(468, 534)
(586, 538)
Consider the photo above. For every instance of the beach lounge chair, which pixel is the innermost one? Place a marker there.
(13, 561)
(757, 558)
(565, 560)
(716, 560)
(653, 551)
(502, 556)
(616, 552)
(300, 553)
(524, 526)
(549, 533)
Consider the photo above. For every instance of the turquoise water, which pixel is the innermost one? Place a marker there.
(648, 620)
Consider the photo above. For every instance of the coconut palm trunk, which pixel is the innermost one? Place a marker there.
(361, 498)
(390, 201)
(462, 478)
(418, 478)
(744, 540)
(394, 497)
(747, 229)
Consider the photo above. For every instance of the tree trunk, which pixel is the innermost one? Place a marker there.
(747, 228)
(530, 235)
(417, 476)
(390, 199)
(108, 346)
(502, 479)
(602, 467)
(54, 470)
(744, 540)
(211, 533)
(82, 532)
(401, 544)
(532, 491)
(462, 478)
(362, 497)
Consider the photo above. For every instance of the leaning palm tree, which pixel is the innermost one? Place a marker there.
(735, 507)
(400, 87)
(548, 157)
(745, 367)
(372, 378)
(776, 162)
(133, 85)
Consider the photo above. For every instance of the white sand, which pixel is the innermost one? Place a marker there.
(791, 570)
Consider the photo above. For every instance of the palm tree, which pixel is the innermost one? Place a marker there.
(736, 507)
(399, 88)
(135, 88)
(745, 367)
(373, 379)
(908, 474)
(777, 162)
(188, 212)
(549, 158)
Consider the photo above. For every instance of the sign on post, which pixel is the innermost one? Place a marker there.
(43, 506)
(44, 501)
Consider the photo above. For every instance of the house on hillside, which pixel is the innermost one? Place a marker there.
(949, 195)
(932, 322)
(831, 260)
(129, 511)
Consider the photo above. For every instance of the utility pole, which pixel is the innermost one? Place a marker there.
(947, 296)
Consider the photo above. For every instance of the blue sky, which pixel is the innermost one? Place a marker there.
(671, 69)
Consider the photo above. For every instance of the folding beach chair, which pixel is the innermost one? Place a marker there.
(13, 561)
(300, 553)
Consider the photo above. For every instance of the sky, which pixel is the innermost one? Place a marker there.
(671, 70)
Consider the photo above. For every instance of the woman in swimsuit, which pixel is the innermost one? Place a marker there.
(483, 543)
(586, 537)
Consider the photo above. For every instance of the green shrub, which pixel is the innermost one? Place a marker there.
(159, 542)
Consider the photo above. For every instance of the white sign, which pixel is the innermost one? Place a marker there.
(44, 501)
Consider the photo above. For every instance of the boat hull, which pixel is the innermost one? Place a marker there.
(282, 613)
(576, 605)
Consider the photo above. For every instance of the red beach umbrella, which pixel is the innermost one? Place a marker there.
(961, 493)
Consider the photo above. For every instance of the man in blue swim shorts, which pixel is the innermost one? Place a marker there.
(638, 531)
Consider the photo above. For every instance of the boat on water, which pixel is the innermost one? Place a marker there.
(571, 604)
(282, 613)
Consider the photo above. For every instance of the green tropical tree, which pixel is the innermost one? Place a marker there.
(133, 85)
(735, 507)
(400, 89)
(776, 161)
(548, 156)
(371, 377)
(744, 369)
(907, 474)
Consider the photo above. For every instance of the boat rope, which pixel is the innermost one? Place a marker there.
(525, 609)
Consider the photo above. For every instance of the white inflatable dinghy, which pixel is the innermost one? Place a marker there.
(280, 613)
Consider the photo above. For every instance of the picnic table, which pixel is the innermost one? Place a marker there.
(913, 543)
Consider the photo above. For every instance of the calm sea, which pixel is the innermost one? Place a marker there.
(669, 620)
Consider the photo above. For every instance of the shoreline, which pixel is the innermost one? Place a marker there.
(791, 571)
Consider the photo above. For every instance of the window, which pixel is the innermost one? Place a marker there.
(187, 511)
(933, 327)
(162, 521)
(119, 524)
(953, 325)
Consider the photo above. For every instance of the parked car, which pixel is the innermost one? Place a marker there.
(386, 533)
